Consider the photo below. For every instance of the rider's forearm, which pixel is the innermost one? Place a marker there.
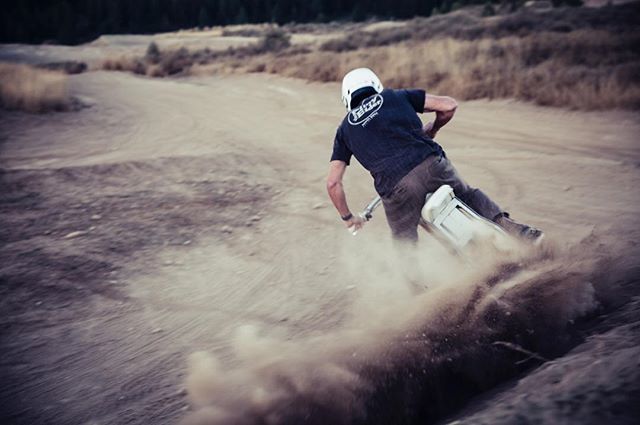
(442, 118)
(338, 197)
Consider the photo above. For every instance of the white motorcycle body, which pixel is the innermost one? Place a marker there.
(454, 223)
(458, 226)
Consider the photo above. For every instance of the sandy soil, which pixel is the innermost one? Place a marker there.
(172, 213)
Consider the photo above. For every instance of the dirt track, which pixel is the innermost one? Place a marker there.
(168, 214)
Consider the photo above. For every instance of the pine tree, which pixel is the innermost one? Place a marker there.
(203, 18)
(281, 12)
(241, 17)
(224, 15)
(359, 12)
(64, 22)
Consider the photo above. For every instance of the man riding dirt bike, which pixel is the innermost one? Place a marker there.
(386, 136)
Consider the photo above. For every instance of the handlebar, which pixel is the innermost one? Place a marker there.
(367, 213)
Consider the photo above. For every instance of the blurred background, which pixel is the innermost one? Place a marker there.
(168, 251)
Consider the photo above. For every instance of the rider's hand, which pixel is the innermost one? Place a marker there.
(355, 223)
(429, 130)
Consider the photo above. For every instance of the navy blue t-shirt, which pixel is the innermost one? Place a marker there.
(385, 135)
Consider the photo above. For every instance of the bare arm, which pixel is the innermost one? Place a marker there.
(334, 186)
(444, 107)
(336, 192)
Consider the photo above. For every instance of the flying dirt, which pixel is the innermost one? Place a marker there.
(169, 255)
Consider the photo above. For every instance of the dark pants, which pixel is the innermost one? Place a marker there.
(404, 204)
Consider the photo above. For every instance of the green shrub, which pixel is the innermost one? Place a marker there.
(488, 9)
(274, 40)
(176, 62)
(153, 53)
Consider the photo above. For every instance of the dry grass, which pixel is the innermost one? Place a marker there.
(32, 89)
(577, 58)
(580, 70)
(157, 63)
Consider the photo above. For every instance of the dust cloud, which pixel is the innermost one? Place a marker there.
(417, 330)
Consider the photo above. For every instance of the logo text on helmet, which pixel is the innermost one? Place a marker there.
(365, 112)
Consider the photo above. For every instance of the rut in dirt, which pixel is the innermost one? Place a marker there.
(436, 352)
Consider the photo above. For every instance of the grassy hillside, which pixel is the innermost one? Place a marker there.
(581, 58)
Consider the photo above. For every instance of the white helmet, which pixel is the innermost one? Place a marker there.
(357, 79)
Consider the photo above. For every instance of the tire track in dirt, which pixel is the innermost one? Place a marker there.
(185, 191)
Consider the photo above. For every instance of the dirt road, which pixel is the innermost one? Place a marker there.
(172, 213)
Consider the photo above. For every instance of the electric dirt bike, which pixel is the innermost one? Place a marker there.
(453, 223)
